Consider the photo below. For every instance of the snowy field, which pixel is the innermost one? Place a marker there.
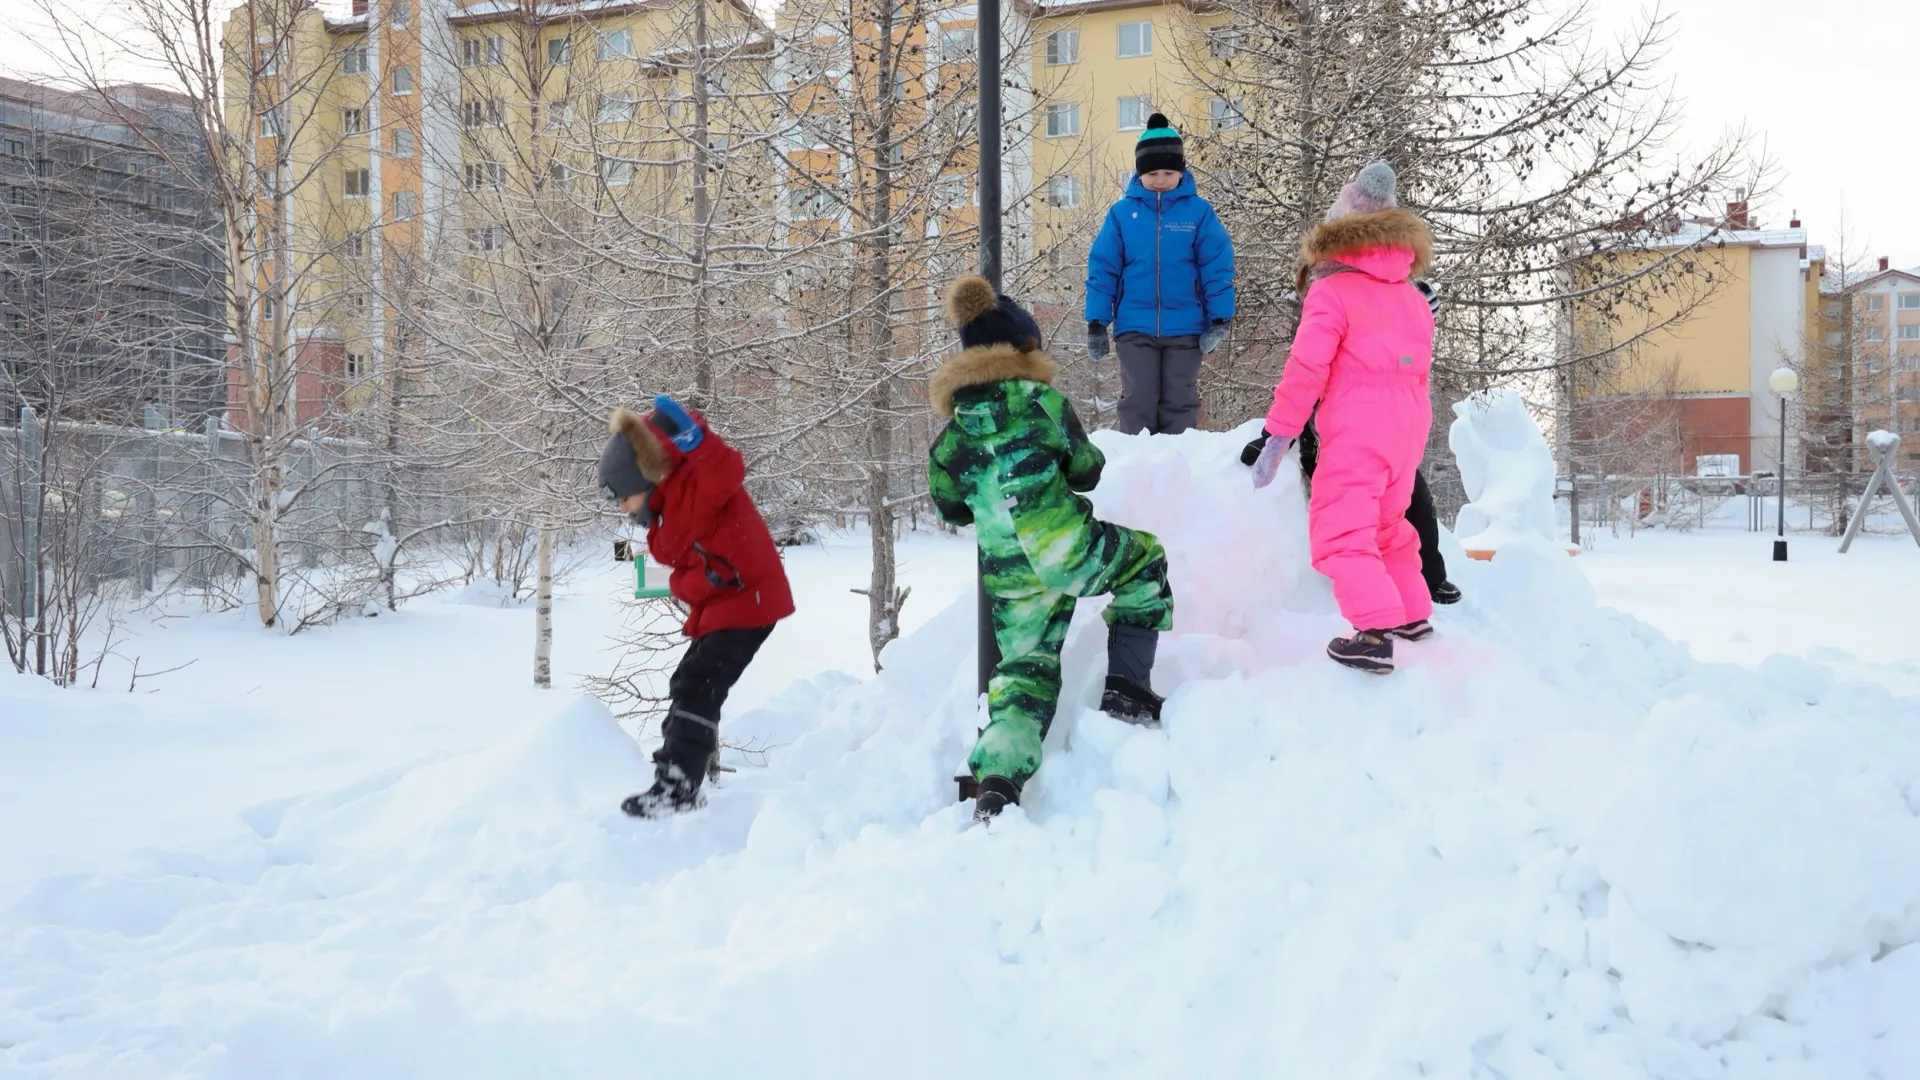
(1559, 843)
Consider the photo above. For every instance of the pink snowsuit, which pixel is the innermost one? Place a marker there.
(1363, 352)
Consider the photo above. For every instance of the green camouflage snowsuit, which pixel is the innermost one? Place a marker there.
(1010, 461)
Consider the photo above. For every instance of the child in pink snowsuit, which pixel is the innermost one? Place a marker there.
(1362, 353)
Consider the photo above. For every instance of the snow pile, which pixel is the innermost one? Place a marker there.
(1506, 469)
(1551, 846)
(1882, 443)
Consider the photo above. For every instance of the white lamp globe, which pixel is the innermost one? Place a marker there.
(1784, 381)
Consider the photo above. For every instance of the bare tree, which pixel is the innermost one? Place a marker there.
(1528, 148)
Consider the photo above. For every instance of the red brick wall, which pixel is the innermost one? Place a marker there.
(320, 369)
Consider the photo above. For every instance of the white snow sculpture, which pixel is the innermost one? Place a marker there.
(1507, 471)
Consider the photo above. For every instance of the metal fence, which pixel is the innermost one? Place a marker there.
(152, 507)
(1823, 502)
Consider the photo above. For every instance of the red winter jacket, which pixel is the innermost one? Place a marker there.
(707, 530)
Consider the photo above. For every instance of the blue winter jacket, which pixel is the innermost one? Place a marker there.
(1162, 264)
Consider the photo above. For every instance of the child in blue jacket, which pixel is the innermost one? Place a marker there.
(1160, 278)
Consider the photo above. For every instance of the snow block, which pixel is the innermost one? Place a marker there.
(1507, 471)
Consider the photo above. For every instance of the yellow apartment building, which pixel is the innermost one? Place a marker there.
(413, 131)
(1697, 355)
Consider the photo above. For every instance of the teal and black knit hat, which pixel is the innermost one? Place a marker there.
(1159, 147)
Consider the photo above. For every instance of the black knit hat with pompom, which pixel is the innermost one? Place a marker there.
(985, 317)
(1159, 147)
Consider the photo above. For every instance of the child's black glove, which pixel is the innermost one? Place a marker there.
(1252, 452)
(1433, 298)
(1214, 335)
(1096, 341)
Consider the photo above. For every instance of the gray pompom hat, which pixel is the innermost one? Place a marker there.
(1373, 190)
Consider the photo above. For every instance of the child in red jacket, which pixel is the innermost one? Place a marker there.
(673, 475)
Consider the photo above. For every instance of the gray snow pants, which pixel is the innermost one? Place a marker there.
(1159, 383)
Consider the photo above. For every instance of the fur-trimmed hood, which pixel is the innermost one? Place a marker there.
(986, 364)
(650, 452)
(1350, 235)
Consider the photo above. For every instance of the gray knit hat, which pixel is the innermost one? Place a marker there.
(1371, 191)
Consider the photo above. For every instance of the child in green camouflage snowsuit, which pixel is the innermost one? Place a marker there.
(1010, 462)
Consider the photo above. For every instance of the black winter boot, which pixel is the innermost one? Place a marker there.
(674, 791)
(1370, 651)
(1129, 692)
(1127, 700)
(1445, 593)
(996, 794)
(1417, 630)
(679, 767)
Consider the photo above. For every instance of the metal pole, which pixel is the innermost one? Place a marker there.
(988, 29)
(1780, 475)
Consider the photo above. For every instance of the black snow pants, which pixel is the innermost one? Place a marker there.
(714, 661)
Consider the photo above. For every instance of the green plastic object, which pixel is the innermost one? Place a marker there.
(642, 590)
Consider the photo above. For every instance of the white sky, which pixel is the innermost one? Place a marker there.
(1816, 85)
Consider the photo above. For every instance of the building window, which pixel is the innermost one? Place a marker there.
(1063, 192)
(1063, 120)
(496, 113)
(1909, 301)
(1909, 392)
(1225, 115)
(356, 365)
(1833, 309)
(559, 51)
(404, 205)
(472, 52)
(16, 320)
(559, 176)
(614, 109)
(402, 142)
(403, 79)
(559, 114)
(13, 147)
(616, 173)
(359, 183)
(488, 238)
(356, 244)
(270, 63)
(472, 113)
(956, 45)
(1834, 338)
(1909, 361)
(1223, 43)
(1134, 112)
(353, 121)
(616, 45)
(1063, 47)
(1136, 39)
(1908, 333)
(1876, 333)
(272, 124)
(716, 82)
(809, 203)
(1875, 365)
(354, 60)
(950, 191)
(496, 51)
(16, 196)
(1876, 302)
(399, 14)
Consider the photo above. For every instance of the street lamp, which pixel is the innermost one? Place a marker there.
(1784, 382)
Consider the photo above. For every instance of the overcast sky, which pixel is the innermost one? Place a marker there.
(1818, 86)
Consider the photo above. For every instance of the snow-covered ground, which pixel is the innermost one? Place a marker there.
(1554, 845)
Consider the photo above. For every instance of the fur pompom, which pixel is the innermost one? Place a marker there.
(1158, 120)
(626, 422)
(968, 299)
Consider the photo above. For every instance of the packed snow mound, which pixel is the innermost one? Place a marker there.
(1882, 442)
(1551, 846)
(1506, 469)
